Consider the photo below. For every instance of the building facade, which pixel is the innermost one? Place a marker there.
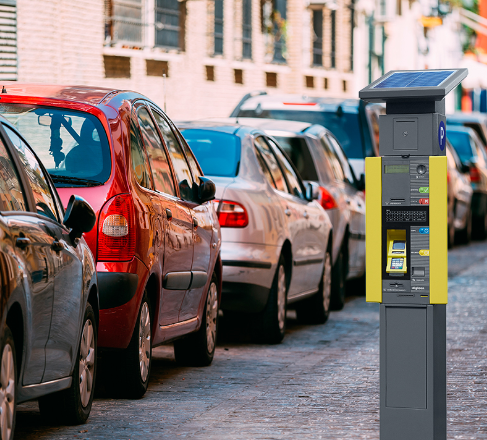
(197, 58)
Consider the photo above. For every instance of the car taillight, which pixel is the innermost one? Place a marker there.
(474, 174)
(448, 176)
(326, 199)
(116, 229)
(231, 214)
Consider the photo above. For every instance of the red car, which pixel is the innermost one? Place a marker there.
(157, 237)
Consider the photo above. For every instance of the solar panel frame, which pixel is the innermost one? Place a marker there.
(414, 79)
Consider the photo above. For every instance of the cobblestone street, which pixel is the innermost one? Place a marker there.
(321, 382)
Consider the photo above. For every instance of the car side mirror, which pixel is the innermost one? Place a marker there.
(360, 184)
(312, 191)
(206, 190)
(79, 217)
(465, 168)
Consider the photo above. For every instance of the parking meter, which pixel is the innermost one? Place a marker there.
(407, 249)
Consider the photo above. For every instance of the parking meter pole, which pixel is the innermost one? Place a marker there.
(407, 249)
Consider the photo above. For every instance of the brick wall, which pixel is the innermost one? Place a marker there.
(62, 42)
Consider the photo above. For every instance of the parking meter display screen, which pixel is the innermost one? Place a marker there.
(414, 79)
(396, 169)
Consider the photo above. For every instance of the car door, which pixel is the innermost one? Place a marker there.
(186, 169)
(178, 224)
(33, 254)
(356, 207)
(313, 251)
(66, 269)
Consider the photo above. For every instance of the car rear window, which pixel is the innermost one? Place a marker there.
(217, 153)
(462, 144)
(344, 125)
(298, 151)
(73, 146)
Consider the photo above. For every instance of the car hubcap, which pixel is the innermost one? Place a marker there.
(86, 362)
(327, 283)
(211, 317)
(7, 392)
(281, 298)
(144, 342)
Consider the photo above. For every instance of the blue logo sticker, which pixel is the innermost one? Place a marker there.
(424, 230)
(442, 135)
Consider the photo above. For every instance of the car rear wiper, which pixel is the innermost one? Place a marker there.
(56, 178)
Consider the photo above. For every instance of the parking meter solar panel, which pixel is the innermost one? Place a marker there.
(414, 79)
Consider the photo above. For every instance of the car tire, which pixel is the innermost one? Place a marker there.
(8, 383)
(198, 349)
(338, 283)
(480, 225)
(451, 232)
(136, 359)
(464, 236)
(271, 322)
(316, 309)
(73, 405)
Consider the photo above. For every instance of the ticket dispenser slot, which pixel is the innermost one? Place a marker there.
(396, 252)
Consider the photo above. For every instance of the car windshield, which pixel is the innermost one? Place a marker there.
(297, 150)
(72, 145)
(218, 153)
(462, 144)
(345, 125)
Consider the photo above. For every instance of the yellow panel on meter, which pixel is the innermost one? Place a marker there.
(396, 251)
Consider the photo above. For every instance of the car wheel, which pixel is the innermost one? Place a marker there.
(73, 405)
(8, 390)
(137, 357)
(315, 310)
(451, 234)
(338, 283)
(464, 236)
(198, 348)
(271, 323)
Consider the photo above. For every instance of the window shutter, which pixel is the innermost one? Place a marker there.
(8, 40)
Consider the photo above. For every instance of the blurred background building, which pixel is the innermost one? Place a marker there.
(212, 52)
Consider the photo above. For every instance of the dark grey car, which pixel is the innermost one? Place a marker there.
(49, 295)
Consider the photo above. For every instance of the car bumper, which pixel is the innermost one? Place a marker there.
(248, 273)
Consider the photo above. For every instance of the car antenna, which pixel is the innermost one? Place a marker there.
(4, 90)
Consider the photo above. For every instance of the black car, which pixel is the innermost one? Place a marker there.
(49, 294)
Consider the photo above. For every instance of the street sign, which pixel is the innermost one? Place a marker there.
(406, 249)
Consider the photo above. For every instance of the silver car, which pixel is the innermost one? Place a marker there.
(318, 157)
(276, 239)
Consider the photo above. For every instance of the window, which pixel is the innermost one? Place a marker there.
(344, 165)
(265, 168)
(332, 159)
(169, 23)
(271, 79)
(157, 68)
(333, 39)
(43, 197)
(280, 24)
(238, 75)
(292, 179)
(318, 37)
(297, 150)
(310, 82)
(116, 67)
(11, 194)
(139, 160)
(123, 21)
(325, 83)
(181, 167)
(247, 29)
(264, 150)
(8, 43)
(352, 27)
(218, 28)
(210, 73)
(344, 85)
(158, 159)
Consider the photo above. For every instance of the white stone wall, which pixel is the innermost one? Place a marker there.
(62, 42)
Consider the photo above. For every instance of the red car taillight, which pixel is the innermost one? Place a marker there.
(231, 214)
(116, 229)
(326, 199)
(474, 174)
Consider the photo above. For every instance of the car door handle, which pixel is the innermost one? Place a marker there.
(168, 214)
(305, 214)
(22, 242)
(287, 211)
(195, 222)
(57, 246)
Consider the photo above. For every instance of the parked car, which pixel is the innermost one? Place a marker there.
(354, 123)
(475, 120)
(277, 240)
(459, 199)
(472, 155)
(157, 237)
(318, 157)
(49, 295)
